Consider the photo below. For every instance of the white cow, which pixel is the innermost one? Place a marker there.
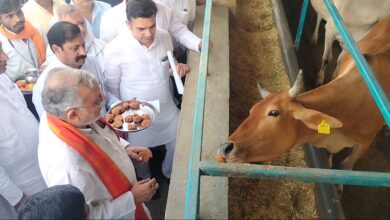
(358, 15)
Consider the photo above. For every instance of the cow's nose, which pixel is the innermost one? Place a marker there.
(227, 148)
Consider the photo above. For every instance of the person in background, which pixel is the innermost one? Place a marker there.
(165, 20)
(67, 43)
(24, 44)
(56, 202)
(19, 170)
(92, 11)
(78, 147)
(40, 12)
(94, 46)
(137, 65)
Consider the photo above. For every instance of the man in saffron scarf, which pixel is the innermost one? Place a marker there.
(22, 42)
(79, 148)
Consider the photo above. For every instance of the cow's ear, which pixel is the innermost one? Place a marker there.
(312, 118)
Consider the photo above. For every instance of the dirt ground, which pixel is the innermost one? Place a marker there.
(255, 58)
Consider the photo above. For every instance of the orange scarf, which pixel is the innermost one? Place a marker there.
(29, 32)
(111, 176)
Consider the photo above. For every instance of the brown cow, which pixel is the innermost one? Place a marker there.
(283, 120)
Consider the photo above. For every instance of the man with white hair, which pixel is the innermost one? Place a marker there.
(78, 147)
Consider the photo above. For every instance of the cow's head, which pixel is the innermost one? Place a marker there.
(273, 126)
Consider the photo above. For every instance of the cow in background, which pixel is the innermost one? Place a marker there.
(282, 120)
(359, 16)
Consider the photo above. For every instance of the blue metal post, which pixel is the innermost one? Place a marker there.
(348, 177)
(193, 181)
(372, 83)
(302, 19)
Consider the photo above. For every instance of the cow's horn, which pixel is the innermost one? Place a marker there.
(263, 92)
(298, 86)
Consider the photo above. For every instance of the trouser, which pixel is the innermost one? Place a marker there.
(143, 169)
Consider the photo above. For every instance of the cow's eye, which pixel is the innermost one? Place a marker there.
(274, 113)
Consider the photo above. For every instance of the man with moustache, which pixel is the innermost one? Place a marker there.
(78, 147)
(19, 170)
(67, 43)
(24, 45)
(94, 46)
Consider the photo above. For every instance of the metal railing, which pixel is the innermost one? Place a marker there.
(198, 168)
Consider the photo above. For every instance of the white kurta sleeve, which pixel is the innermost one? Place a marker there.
(120, 207)
(8, 189)
(181, 33)
(124, 143)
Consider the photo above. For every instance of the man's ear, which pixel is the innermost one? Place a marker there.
(72, 116)
(312, 118)
(128, 23)
(55, 48)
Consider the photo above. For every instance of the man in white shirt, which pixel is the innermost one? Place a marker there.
(22, 42)
(94, 46)
(137, 66)
(67, 43)
(19, 170)
(92, 11)
(165, 21)
(40, 12)
(78, 147)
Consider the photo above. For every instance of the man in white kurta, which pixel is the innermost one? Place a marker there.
(93, 45)
(40, 12)
(165, 18)
(68, 59)
(19, 169)
(61, 164)
(138, 69)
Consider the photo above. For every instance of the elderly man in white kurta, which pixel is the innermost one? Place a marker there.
(67, 43)
(24, 44)
(137, 66)
(78, 147)
(19, 170)
(165, 18)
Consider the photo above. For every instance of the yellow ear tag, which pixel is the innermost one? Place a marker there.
(323, 128)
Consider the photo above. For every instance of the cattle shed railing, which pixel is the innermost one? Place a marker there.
(198, 168)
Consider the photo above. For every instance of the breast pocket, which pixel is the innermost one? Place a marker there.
(164, 62)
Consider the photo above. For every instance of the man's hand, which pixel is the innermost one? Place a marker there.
(139, 153)
(144, 190)
(20, 203)
(182, 69)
